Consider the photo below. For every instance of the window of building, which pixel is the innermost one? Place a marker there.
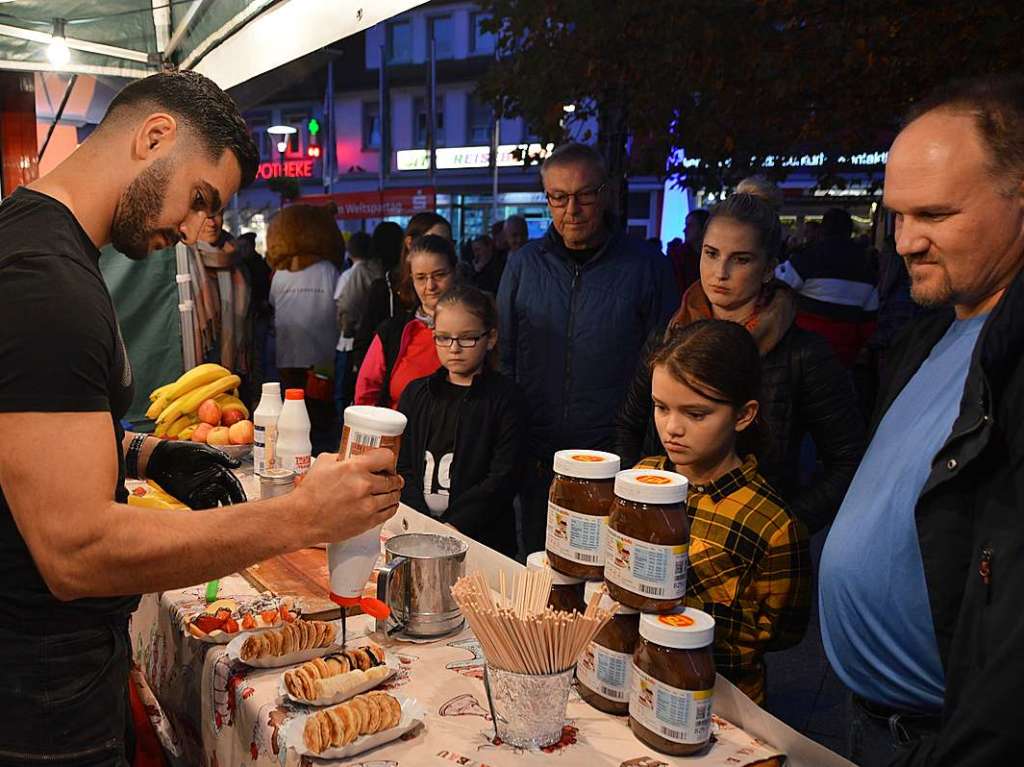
(442, 30)
(480, 42)
(296, 141)
(481, 122)
(371, 125)
(639, 204)
(420, 122)
(399, 42)
(258, 124)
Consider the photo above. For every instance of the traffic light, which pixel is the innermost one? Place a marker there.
(313, 126)
(313, 150)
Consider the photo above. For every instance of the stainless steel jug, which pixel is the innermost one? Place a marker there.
(416, 584)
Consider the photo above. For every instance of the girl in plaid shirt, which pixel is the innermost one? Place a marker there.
(750, 565)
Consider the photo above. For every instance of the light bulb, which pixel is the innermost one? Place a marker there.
(58, 52)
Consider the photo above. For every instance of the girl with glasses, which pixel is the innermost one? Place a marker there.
(403, 347)
(462, 454)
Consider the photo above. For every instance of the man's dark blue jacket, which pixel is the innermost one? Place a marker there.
(571, 334)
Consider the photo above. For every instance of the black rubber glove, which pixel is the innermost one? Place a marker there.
(196, 474)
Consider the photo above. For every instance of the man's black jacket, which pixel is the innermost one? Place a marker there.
(970, 523)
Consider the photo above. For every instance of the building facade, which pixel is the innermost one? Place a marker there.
(378, 164)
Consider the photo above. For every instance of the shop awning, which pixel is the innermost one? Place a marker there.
(229, 41)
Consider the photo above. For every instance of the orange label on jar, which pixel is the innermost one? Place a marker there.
(676, 621)
(653, 479)
(588, 458)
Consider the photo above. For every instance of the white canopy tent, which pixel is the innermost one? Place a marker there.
(229, 41)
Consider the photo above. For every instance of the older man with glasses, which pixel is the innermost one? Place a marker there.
(575, 308)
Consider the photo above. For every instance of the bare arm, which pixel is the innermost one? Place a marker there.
(85, 545)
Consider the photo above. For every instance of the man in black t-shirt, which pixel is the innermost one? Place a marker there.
(170, 152)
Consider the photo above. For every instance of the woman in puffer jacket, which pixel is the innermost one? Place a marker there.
(805, 389)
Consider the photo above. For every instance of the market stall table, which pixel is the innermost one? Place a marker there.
(220, 712)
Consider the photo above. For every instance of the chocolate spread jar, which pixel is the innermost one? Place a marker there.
(566, 591)
(605, 669)
(673, 682)
(648, 540)
(581, 494)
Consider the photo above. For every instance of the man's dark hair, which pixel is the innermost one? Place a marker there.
(359, 245)
(700, 215)
(997, 105)
(199, 103)
(574, 152)
(837, 223)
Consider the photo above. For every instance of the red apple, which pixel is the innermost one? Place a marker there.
(202, 432)
(241, 433)
(231, 417)
(209, 412)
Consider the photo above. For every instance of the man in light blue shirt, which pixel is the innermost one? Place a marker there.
(922, 575)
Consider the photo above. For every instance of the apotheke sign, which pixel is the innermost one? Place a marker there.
(464, 157)
(289, 168)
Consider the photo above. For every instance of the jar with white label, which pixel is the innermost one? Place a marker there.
(673, 682)
(604, 671)
(581, 495)
(566, 592)
(648, 540)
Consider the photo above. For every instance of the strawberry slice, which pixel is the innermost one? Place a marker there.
(208, 623)
(269, 616)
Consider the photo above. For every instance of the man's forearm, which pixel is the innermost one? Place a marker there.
(140, 550)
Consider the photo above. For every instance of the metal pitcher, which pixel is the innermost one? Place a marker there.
(416, 584)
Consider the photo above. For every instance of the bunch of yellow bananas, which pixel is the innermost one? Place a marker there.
(174, 405)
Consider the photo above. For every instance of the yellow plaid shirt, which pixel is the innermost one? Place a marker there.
(750, 568)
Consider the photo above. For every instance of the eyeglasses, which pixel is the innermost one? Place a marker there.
(466, 342)
(583, 197)
(422, 279)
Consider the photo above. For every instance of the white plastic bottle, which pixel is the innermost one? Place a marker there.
(293, 446)
(264, 421)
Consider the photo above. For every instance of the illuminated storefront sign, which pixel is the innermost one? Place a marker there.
(465, 157)
(389, 202)
(289, 168)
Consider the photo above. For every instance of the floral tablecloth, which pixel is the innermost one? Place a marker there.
(218, 713)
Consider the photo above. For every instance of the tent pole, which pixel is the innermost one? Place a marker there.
(186, 307)
(56, 117)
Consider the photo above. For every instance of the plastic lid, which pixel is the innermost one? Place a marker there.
(688, 629)
(379, 420)
(272, 389)
(294, 394)
(538, 560)
(606, 603)
(651, 486)
(587, 464)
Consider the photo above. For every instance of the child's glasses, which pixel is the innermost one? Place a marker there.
(466, 342)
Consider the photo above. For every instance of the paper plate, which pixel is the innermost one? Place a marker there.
(390, 661)
(234, 651)
(412, 715)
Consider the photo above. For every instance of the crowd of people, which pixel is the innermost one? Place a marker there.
(733, 360)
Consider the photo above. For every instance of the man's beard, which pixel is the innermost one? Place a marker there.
(934, 298)
(138, 209)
